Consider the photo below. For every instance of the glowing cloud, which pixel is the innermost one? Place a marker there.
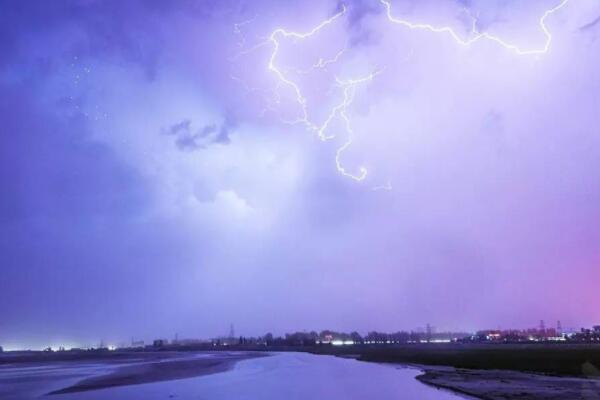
(348, 86)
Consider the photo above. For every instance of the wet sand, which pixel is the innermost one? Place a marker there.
(161, 370)
(510, 385)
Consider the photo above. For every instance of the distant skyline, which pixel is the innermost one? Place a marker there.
(362, 165)
(119, 342)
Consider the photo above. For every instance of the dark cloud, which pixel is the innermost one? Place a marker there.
(175, 129)
(358, 10)
(193, 141)
(188, 139)
(225, 130)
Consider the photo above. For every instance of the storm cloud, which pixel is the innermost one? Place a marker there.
(155, 178)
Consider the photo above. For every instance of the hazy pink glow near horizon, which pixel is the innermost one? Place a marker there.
(365, 165)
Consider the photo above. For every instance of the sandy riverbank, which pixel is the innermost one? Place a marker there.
(162, 370)
(509, 385)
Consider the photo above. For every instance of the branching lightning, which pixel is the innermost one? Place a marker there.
(348, 86)
(340, 110)
(283, 80)
(476, 35)
(323, 63)
(237, 29)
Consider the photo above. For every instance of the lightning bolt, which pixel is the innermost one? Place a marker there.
(323, 63)
(237, 29)
(283, 80)
(340, 110)
(476, 35)
(348, 86)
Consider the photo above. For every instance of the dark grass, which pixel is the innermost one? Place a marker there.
(561, 360)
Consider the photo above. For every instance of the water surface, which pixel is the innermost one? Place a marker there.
(286, 376)
(282, 376)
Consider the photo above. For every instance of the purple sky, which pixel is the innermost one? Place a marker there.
(171, 167)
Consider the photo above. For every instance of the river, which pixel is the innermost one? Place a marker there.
(282, 376)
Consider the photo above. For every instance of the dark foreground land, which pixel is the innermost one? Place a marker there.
(485, 371)
(554, 359)
(495, 372)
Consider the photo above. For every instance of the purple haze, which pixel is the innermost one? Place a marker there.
(151, 181)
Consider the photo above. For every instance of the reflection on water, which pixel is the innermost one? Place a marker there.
(286, 376)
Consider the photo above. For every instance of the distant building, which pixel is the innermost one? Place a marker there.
(160, 343)
(1, 349)
(596, 329)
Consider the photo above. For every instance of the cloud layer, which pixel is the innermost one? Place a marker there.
(152, 181)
